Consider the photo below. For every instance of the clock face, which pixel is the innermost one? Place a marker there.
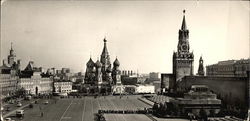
(184, 47)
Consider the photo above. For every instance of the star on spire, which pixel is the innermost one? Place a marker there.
(184, 26)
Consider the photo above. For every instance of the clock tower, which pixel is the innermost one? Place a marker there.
(183, 59)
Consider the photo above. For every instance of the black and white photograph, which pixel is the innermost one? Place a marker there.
(125, 60)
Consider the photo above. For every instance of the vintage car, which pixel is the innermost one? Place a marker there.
(20, 113)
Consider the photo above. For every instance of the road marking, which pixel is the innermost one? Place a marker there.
(83, 108)
(112, 102)
(92, 107)
(66, 117)
(99, 104)
(112, 105)
(66, 110)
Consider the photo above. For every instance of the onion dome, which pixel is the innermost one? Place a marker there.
(90, 63)
(116, 62)
(98, 64)
(109, 70)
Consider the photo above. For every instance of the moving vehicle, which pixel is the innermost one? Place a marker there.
(20, 113)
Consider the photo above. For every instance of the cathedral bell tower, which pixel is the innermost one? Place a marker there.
(106, 65)
(183, 59)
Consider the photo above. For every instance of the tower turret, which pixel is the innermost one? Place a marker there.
(201, 67)
(183, 43)
(90, 72)
(116, 73)
(98, 75)
(11, 56)
(183, 59)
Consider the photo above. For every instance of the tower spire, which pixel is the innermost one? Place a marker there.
(105, 50)
(184, 26)
(11, 46)
(104, 40)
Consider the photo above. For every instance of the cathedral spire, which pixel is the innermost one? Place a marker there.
(11, 46)
(184, 26)
(105, 50)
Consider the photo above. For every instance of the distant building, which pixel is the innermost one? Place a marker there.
(128, 73)
(183, 59)
(138, 89)
(144, 88)
(168, 82)
(157, 85)
(8, 81)
(32, 81)
(229, 68)
(8, 74)
(62, 86)
(154, 75)
(197, 99)
(132, 80)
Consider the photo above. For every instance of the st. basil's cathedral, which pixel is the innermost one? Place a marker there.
(100, 77)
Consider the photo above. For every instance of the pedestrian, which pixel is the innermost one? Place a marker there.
(41, 114)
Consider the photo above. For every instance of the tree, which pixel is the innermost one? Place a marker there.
(21, 91)
(203, 114)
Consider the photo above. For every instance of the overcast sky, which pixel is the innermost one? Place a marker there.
(142, 34)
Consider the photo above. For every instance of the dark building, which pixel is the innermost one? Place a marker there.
(183, 59)
(201, 68)
(229, 68)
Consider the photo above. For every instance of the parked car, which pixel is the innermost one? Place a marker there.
(8, 108)
(20, 113)
(11, 101)
(46, 102)
(28, 97)
(7, 119)
(19, 104)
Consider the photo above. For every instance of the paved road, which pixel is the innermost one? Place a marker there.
(13, 107)
(81, 109)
